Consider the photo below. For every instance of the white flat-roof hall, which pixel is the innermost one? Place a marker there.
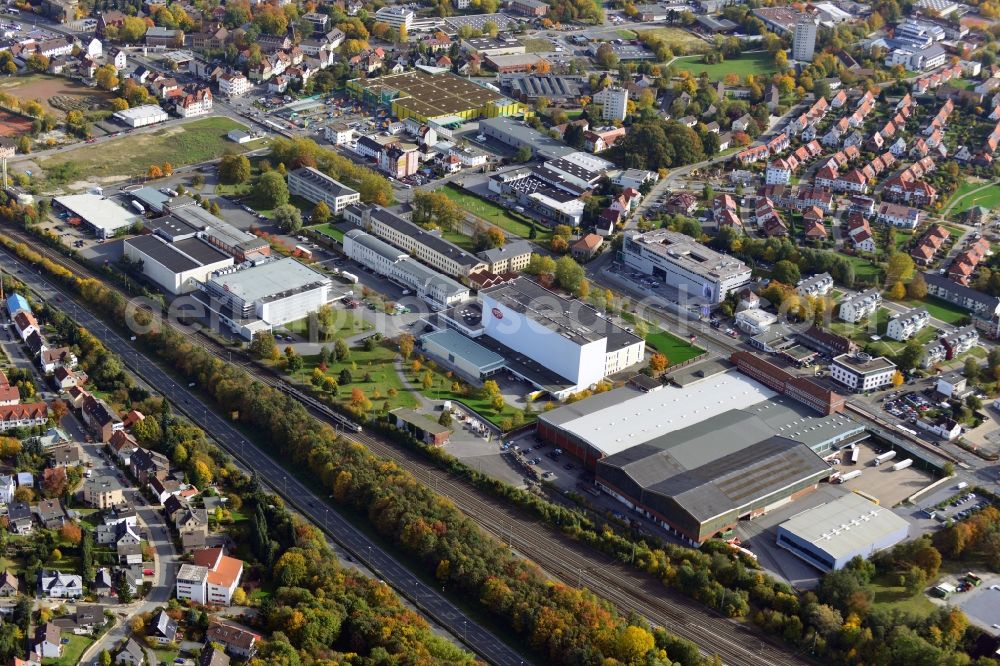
(274, 291)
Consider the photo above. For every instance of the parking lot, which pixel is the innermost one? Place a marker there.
(980, 604)
(888, 486)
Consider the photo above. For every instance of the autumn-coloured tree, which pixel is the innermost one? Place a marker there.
(155, 171)
(658, 363)
(71, 533)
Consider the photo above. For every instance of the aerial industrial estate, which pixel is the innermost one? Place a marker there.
(326, 324)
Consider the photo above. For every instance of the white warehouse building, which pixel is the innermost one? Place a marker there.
(831, 535)
(566, 336)
(177, 267)
(141, 116)
(685, 264)
(274, 291)
(315, 186)
(438, 290)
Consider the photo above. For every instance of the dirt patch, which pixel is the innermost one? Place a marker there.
(56, 93)
(11, 125)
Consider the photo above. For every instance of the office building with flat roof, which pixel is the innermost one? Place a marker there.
(831, 535)
(426, 246)
(861, 373)
(565, 335)
(177, 267)
(226, 237)
(685, 264)
(315, 186)
(440, 291)
(275, 291)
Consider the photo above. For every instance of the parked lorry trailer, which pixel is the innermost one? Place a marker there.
(902, 464)
(350, 277)
(884, 457)
(850, 475)
(855, 454)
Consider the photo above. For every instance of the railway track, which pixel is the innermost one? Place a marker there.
(573, 563)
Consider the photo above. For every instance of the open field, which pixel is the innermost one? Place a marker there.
(56, 94)
(939, 309)
(677, 36)
(537, 45)
(491, 212)
(750, 63)
(964, 198)
(888, 595)
(179, 145)
(11, 125)
(677, 350)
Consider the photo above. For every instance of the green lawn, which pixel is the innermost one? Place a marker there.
(674, 36)
(382, 376)
(963, 198)
(509, 222)
(459, 239)
(676, 349)
(72, 651)
(329, 230)
(864, 269)
(751, 63)
(889, 596)
(441, 390)
(939, 309)
(179, 145)
(345, 324)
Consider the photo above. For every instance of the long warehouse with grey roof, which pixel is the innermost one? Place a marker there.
(697, 459)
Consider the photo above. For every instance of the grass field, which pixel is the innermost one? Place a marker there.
(751, 63)
(675, 36)
(345, 325)
(625, 33)
(329, 230)
(889, 596)
(676, 349)
(538, 45)
(179, 145)
(939, 309)
(72, 651)
(964, 198)
(459, 239)
(492, 213)
(864, 269)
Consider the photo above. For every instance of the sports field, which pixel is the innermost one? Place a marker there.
(11, 125)
(759, 63)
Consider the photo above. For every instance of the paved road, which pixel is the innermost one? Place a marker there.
(427, 598)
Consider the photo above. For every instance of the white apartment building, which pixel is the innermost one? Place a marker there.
(817, 285)
(212, 579)
(804, 42)
(395, 16)
(905, 325)
(315, 186)
(234, 85)
(862, 373)
(861, 305)
(779, 172)
(614, 103)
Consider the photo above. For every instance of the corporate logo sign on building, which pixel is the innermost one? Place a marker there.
(497, 313)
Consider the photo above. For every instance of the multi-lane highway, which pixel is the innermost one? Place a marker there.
(425, 597)
(630, 590)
